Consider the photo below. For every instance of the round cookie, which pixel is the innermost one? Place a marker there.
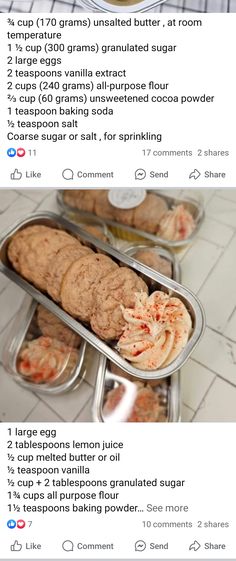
(16, 244)
(152, 259)
(125, 216)
(148, 215)
(38, 254)
(116, 289)
(103, 207)
(80, 282)
(51, 326)
(61, 262)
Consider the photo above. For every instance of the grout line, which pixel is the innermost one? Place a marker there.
(85, 405)
(217, 262)
(40, 398)
(33, 408)
(215, 373)
(204, 397)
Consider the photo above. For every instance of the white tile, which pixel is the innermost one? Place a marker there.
(15, 402)
(198, 262)
(36, 195)
(10, 301)
(50, 203)
(186, 414)
(3, 282)
(195, 381)
(218, 354)
(42, 414)
(86, 414)
(20, 208)
(69, 405)
(222, 210)
(230, 329)
(7, 197)
(202, 196)
(229, 194)
(215, 232)
(218, 293)
(219, 404)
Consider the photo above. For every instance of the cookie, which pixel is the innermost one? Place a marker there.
(148, 215)
(151, 258)
(116, 289)
(125, 216)
(80, 283)
(51, 326)
(103, 207)
(16, 244)
(39, 250)
(61, 262)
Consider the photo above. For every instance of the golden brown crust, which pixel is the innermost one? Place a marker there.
(80, 282)
(114, 290)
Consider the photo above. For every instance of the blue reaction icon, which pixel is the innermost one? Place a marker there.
(11, 152)
(11, 524)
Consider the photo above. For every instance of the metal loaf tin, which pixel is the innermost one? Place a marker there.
(121, 6)
(191, 301)
(132, 234)
(91, 221)
(15, 339)
(104, 382)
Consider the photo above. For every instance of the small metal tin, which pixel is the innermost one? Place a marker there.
(170, 389)
(22, 327)
(133, 234)
(162, 283)
(95, 221)
(104, 381)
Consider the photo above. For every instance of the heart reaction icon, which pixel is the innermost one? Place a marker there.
(20, 152)
(20, 524)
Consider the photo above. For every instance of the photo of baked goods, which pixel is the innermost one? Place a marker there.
(155, 215)
(91, 323)
(113, 300)
(156, 6)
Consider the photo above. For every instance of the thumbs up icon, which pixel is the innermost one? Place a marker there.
(16, 546)
(16, 175)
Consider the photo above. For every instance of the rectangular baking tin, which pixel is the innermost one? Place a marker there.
(191, 301)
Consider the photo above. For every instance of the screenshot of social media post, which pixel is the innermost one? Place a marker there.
(117, 280)
(118, 93)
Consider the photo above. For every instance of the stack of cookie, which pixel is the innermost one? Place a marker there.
(152, 215)
(90, 286)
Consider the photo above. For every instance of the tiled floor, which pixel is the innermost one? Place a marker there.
(208, 268)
